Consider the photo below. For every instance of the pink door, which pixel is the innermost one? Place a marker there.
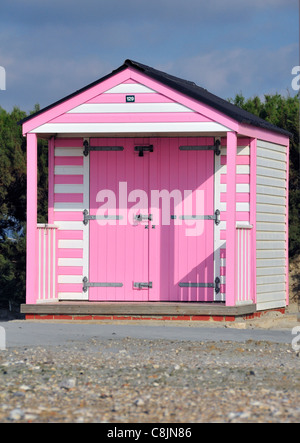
(181, 251)
(119, 237)
(152, 238)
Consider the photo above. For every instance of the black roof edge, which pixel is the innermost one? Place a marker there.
(186, 87)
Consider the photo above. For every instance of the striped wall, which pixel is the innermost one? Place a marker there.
(242, 202)
(271, 245)
(70, 197)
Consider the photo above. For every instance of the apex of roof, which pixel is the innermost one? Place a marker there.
(185, 87)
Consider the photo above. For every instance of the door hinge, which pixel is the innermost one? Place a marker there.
(88, 148)
(87, 284)
(215, 217)
(141, 285)
(215, 147)
(142, 149)
(215, 285)
(87, 217)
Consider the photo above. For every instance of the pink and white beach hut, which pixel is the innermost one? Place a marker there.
(164, 200)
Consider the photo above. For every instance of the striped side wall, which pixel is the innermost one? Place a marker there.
(271, 217)
(70, 196)
(242, 201)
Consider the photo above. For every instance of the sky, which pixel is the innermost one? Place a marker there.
(50, 49)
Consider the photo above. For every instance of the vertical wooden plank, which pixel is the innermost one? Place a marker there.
(253, 179)
(51, 148)
(287, 222)
(31, 237)
(231, 219)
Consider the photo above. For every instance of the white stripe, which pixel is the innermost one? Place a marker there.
(241, 207)
(40, 264)
(54, 264)
(116, 108)
(243, 187)
(129, 88)
(68, 152)
(70, 279)
(68, 170)
(70, 225)
(111, 128)
(70, 262)
(86, 229)
(68, 189)
(72, 296)
(68, 206)
(243, 169)
(70, 244)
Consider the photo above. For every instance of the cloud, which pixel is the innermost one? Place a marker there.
(251, 71)
(52, 48)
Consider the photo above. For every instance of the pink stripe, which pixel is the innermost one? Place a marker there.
(70, 287)
(70, 253)
(68, 179)
(241, 197)
(70, 270)
(240, 160)
(68, 216)
(223, 271)
(139, 98)
(69, 161)
(240, 178)
(68, 198)
(223, 253)
(130, 117)
(223, 235)
(70, 235)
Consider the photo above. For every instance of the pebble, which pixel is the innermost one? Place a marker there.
(156, 381)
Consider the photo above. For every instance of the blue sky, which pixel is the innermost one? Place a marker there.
(49, 49)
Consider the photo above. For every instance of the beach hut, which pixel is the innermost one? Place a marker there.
(165, 201)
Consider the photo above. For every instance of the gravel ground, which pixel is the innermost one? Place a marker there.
(128, 380)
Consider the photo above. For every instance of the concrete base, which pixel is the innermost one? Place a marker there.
(136, 311)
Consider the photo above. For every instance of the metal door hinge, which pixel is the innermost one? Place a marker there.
(87, 284)
(215, 217)
(88, 148)
(87, 217)
(215, 285)
(215, 147)
(141, 285)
